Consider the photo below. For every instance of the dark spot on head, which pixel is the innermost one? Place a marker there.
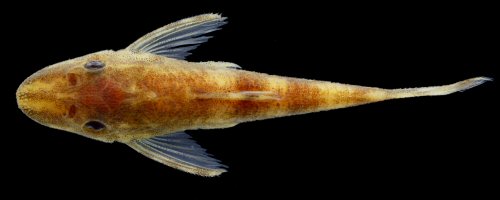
(94, 65)
(72, 111)
(94, 125)
(72, 79)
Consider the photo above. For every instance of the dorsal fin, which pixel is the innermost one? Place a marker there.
(176, 39)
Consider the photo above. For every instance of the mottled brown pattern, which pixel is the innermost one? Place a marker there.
(249, 82)
(143, 95)
(247, 108)
(302, 97)
(104, 95)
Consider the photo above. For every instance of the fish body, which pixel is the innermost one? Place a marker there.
(146, 95)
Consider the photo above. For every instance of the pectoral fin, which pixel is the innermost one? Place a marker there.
(179, 151)
(175, 40)
(242, 96)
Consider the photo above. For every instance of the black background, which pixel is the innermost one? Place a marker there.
(414, 147)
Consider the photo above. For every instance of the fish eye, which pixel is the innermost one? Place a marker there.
(94, 65)
(94, 125)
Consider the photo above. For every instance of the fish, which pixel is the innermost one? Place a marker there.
(147, 95)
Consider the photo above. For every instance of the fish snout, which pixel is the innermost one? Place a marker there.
(39, 100)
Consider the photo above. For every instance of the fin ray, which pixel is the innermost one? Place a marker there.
(175, 40)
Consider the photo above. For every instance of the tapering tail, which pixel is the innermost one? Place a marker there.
(437, 90)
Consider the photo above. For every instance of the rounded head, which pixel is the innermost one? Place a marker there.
(86, 95)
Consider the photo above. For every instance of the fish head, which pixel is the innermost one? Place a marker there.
(77, 95)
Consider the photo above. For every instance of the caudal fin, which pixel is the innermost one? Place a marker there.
(438, 90)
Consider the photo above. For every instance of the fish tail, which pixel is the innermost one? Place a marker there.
(437, 90)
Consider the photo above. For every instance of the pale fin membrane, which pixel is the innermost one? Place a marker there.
(437, 90)
(221, 64)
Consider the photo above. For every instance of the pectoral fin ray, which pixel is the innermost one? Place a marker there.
(179, 151)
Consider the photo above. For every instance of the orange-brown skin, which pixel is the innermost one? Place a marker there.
(141, 95)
